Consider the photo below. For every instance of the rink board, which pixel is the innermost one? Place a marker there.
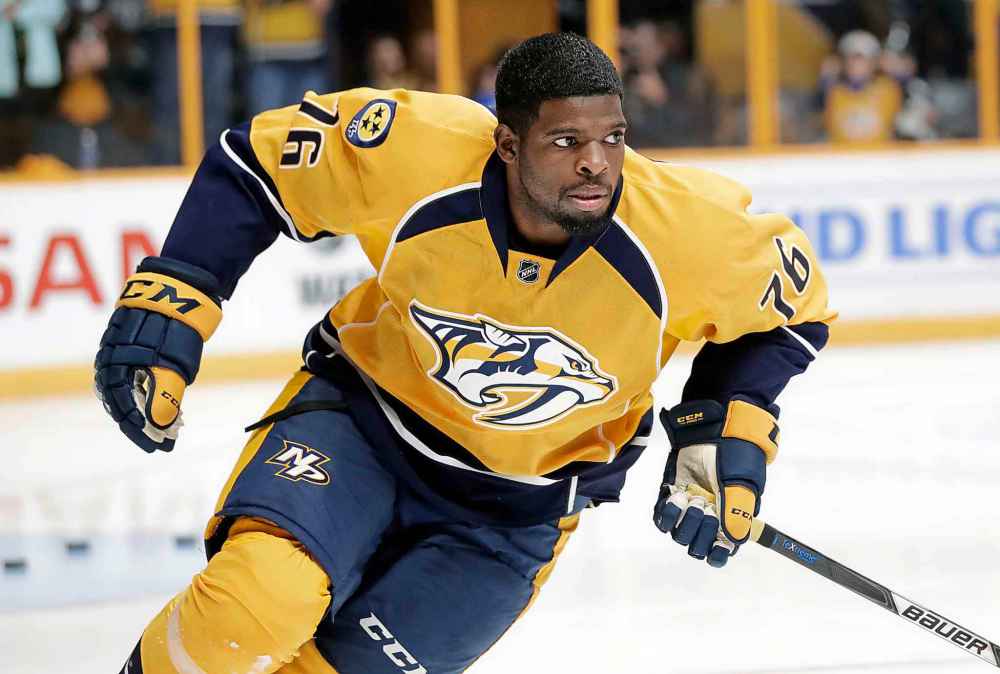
(900, 235)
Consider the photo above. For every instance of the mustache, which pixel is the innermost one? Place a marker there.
(588, 183)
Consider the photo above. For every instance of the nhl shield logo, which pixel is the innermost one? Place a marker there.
(528, 271)
(299, 462)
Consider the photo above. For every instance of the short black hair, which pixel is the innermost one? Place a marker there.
(549, 66)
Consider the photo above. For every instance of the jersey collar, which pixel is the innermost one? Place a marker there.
(499, 220)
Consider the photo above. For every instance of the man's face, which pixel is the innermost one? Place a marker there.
(569, 161)
(859, 67)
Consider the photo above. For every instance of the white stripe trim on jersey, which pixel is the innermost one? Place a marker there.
(270, 197)
(803, 341)
(611, 446)
(349, 326)
(640, 440)
(412, 211)
(659, 286)
(178, 655)
(572, 495)
(413, 440)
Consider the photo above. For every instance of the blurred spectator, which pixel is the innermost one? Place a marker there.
(942, 44)
(423, 60)
(220, 20)
(484, 82)
(83, 132)
(942, 37)
(36, 20)
(287, 51)
(387, 64)
(861, 102)
(666, 100)
(926, 49)
(29, 69)
(484, 89)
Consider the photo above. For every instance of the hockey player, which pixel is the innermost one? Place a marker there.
(406, 496)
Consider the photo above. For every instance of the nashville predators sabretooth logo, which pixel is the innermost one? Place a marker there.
(517, 377)
(300, 462)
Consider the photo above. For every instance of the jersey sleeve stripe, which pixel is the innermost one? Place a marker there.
(318, 114)
(811, 336)
(240, 152)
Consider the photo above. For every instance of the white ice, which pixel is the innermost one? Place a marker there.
(890, 463)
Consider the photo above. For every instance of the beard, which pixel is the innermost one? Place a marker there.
(574, 223)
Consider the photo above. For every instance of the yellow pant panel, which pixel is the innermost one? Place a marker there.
(250, 610)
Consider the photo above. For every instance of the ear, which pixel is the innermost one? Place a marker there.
(507, 143)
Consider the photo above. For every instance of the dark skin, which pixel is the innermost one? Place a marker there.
(562, 171)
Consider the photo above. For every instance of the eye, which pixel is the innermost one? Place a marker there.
(575, 365)
(565, 141)
(615, 138)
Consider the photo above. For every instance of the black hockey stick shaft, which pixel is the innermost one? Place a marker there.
(920, 616)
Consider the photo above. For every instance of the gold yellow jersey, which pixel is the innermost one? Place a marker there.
(287, 29)
(863, 115)
(490, 361)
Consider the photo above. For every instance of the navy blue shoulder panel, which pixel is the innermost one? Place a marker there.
(756, 366)
(624, 255)
(449, 209)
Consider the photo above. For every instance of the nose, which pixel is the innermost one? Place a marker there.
(592, 160)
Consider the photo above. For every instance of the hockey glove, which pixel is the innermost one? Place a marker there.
(152, 347)
(722, 452)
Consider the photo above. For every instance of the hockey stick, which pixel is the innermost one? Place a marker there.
(930, 621)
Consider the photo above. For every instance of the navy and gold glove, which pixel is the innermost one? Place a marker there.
(722, 452)
(151, 350)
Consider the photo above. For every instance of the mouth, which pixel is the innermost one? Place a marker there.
(589, 198)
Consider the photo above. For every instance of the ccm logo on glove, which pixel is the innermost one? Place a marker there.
(690, 418)
(173, 298)
(170, 399)
(166, 292)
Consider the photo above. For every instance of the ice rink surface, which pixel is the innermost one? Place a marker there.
(890, 464)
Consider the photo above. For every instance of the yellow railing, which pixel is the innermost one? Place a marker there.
(189, 81)
(762, 72)
(987, 66)
(602, 25)
(449, 66)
